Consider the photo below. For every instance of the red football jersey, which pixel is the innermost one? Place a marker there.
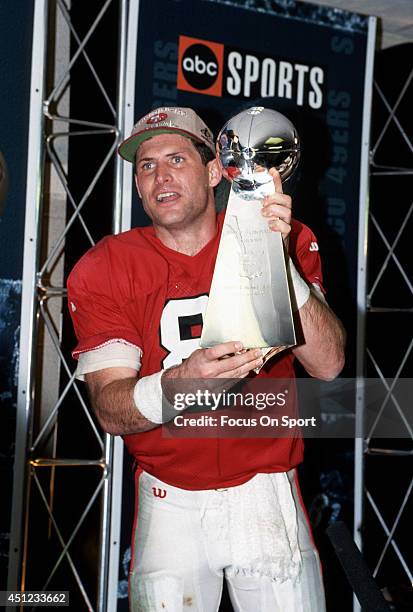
(132, 288)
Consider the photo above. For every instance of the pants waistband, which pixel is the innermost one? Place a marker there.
(155, 488)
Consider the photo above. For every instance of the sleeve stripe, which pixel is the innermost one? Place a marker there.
(78, 352)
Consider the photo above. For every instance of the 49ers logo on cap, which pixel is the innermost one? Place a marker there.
(200, 66)
(157, 118)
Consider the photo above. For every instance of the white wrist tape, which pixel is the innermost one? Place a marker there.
(301, 289)
(147, 396)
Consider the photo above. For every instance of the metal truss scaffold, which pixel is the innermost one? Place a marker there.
(49, 524)
(381, 504)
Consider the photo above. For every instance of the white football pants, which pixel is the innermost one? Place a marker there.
(178, 567)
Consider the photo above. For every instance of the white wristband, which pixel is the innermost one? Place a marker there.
(147, 396)
(301, 289)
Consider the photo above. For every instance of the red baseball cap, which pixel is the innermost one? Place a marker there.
(166, 120)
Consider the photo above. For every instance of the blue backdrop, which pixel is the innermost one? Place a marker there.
(306, 61)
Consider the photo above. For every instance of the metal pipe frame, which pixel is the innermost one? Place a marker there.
(361, 291)
(36, 321)
(366, 489)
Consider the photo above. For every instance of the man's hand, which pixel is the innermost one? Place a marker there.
(226, 360)
(210, 370)
(277, 208)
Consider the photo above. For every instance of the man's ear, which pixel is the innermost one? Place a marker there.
(137, 186)
(214, 173)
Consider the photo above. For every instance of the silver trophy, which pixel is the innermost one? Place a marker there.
(249, 298)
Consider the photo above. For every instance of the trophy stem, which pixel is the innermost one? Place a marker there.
(249, 298)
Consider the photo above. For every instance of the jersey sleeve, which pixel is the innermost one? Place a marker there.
(306, 257)
(114, 355)
(95, 308)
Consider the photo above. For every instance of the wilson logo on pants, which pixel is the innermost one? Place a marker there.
(159, 492)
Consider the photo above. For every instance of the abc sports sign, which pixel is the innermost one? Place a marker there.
(200, 66)
(213, 69)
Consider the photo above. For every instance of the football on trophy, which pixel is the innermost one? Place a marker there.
(251, 143)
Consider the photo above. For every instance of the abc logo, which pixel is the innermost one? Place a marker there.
(200, 66)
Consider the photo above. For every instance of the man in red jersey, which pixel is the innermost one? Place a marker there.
(218, 507)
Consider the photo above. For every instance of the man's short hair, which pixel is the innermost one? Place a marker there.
(204, 151)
